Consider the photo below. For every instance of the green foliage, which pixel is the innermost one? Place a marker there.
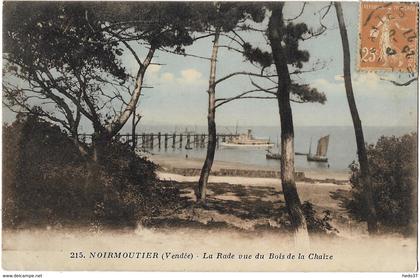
(67, 54)
(163, 24)
(256, 55)
(57, 62)
(304, 93)
(56, 35)
(227, 15)
(291, 36)
(47, 182)
(316, 224)
(34, 155)
(125, 164)
(393, 169)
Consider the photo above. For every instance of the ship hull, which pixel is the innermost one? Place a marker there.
(235, 145)
(276, 156)
(317, 158)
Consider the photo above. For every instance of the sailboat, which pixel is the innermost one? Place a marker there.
(321, 150)
(271, 155)
(277, 155)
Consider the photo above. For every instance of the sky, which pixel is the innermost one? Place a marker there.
(179, 94)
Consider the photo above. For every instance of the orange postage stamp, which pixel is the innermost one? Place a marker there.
(388, 36)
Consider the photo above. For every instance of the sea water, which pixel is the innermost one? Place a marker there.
(341, 150)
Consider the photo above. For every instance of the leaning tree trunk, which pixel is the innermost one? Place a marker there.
(293, 204)
(103, 135)
(101, 142)
(360, 141)
(133, 130)
(135, 121)
(118, 124)
(200, 191)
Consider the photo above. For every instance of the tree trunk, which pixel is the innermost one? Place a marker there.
(100, 144)
(360, 141)
(92, 178)
(200, 191)
(83, 151)
(103, 135)
(133, 130)
(293, 204)
(116, 125)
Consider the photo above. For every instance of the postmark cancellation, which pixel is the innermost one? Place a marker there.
(388, 36)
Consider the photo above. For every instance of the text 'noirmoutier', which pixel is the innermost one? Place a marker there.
(202, 256)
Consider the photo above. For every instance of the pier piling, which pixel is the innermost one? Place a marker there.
(203, 140)
(152, 139)
(173, 140)
(196, 141)
(147, 140)
(187, 146)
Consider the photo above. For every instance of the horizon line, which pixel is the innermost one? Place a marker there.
(253, 125)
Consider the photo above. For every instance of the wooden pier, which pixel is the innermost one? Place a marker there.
(166, 140)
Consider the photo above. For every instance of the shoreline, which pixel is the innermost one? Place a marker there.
(191, 167)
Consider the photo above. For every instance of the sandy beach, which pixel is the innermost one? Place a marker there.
(325, 189)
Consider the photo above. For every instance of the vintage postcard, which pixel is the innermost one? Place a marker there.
(210, 136)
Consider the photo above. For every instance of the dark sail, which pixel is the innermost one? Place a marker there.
(322, 146)
(321, 150)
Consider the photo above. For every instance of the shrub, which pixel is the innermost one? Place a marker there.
(125, 164)
(47, 182)
(316, 224)
(393, 169)
(36, 161)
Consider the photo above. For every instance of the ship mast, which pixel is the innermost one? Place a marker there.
(310, 145)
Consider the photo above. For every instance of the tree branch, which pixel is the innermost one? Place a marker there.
(117, 124)
(242, 95)
(203, 36)
(231, 48)
(399, 83)
(243, 73)
(184, 54)
(128, 47)
(36, 112)
(234, 39)
(296, 17)
(268, 90)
